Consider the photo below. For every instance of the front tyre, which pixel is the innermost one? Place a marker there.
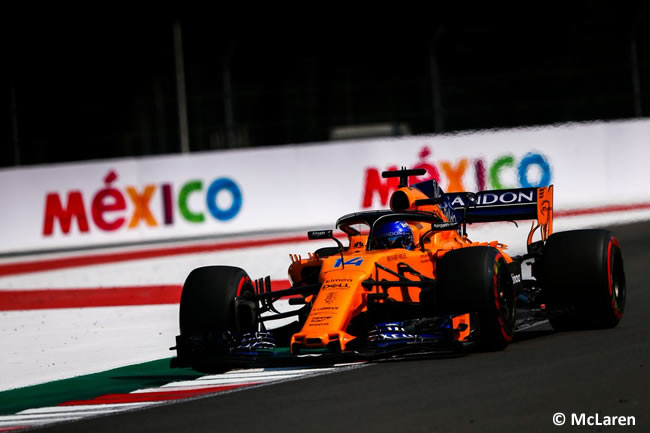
(584, 279)
(477, 279)
(213, 306)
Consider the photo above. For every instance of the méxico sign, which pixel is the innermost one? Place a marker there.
(107, 208)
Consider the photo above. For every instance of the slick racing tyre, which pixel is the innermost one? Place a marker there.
(477, 279)
(583, 279)
(209, 312)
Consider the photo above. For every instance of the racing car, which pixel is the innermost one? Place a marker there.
(408, 280)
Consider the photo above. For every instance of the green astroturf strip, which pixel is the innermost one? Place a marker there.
(118, 380)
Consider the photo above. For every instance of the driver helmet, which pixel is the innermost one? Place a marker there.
(395, 234)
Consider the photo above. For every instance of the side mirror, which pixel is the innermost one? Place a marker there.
(327, 234)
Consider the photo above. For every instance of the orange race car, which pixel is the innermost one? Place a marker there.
(408, 282)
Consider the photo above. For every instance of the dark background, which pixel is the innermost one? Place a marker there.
(105, 86)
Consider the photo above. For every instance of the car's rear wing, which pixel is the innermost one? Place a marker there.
(506, 205)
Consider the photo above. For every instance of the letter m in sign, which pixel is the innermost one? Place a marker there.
(356, 261)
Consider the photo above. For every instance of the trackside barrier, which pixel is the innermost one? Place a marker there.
(225, 192)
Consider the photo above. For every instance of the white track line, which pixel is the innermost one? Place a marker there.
(258, 376)
(83, 408)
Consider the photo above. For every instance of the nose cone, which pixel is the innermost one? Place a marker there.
(339, 298)
(335, 341)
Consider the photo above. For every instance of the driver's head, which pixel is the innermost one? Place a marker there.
(395, 234)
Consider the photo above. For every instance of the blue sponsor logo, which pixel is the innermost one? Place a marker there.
(448, 211)
(356, 261)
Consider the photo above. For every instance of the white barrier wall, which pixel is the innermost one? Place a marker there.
(176, 196)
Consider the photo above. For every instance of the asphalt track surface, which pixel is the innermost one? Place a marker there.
(544, 372)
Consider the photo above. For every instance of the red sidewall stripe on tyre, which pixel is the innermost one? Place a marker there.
(617, 311)
(502, 325)
(243, 281)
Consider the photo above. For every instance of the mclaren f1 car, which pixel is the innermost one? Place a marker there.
(407, 280)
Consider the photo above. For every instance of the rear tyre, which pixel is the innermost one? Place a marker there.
(584, 279)
(477, 279)
(209, 313)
